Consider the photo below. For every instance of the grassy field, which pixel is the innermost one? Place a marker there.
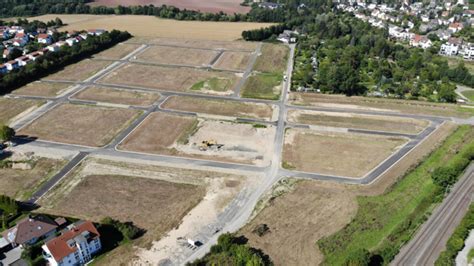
(273, 59)
(454, 61)
(177, 56)
(233, 61)
(219, 107)
(385, 222)
(117, 96)
(42, 89)
(80, 124)
(263, 86)
(10, 109)
(156, 27)
(118, 51)
(79, 71)
(469, 94)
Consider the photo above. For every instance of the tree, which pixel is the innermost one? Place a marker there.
(359, 257)
(6, 133)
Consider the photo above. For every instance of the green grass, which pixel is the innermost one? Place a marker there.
(469, 94)
(384, 223)
(184, 137)
(214, 84)
(287, 165)
(263, 86)
(470, 255)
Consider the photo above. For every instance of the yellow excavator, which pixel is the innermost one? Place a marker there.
(209, 144)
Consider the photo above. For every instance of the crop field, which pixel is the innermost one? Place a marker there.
(312, 151)
(118, 51)
(263, 86)
(380, 104)
(13, 109)
(273, 59)
(80, 124)
(79, 71)
(219, 107)
(198, 43)
(237, 61)
(42, 89)
(177, 56)
(173, 79)
(356, 121)
(117, 96)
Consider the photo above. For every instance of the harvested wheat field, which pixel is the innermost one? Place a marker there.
(79, 71)
(118, 51)
(273, 58)
(173, 79)
(177, 56)
(356, 121)
(219, 107)
(117, 96)
(380, 104)
(80, 124)
(242, 46)
(44, 89)
(235, 61)
(156, 27)
(14, 109)
(340, 154)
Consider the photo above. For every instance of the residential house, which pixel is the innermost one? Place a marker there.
(72, 41)
(23, 60)
(420, 41)
(45, 38)
(468, 52)
(455, 27)
(35, 55)
(12, 64)
(32, 228)
(3, 69)
(75, 246)
(4, 34)
(452, 47)
(20, 40)
(97, 32)
(268, 5)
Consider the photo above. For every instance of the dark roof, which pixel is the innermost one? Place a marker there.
(30, 228)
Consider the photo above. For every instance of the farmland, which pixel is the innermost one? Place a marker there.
(177, 56)
(42, 89)
(117, 96)
(13, 109)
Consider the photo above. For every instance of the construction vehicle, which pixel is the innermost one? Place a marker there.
(210, 144)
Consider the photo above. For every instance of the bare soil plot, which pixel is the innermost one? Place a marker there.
(79, 71)
(117, 96)
(200, 43)
(14, 109)
(273, 58)
(356, 121)
(42, 89)
(340, 154)
(219, 107)
(233, 61)
(177, 56)
(19, 183)
(173, 79)
(380, 104)
(80, 124)
(118, 51)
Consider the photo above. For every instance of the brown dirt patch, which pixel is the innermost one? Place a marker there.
(117, 96)
(42, 89)
(12, 109)
(79, 71)
(118, 51)
(177, 56)
(273, 58)
(196, 43)
(233, 61)
(219, 107)
(356, 121)
(342, 154)
(80, 124)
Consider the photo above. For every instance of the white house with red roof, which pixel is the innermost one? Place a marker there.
(75, 246)
(95, 32)
(420, 41)
(45, 38)
(455, 27)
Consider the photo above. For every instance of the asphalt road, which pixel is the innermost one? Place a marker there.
(431, 239)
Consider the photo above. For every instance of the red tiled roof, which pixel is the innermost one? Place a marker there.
(43, 36)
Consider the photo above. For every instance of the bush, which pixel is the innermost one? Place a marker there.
(128, 230)
(359, 257)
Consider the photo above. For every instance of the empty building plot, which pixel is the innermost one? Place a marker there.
(272, 59)
(177, 56)
(266, 86)
(173, 79)
(79, 71)
(119, 51)
(14, 109)
(117, 96)
(199, 43)
(339, 154)
(44, 89)
(235, 61)
(220, 107)
(80, 124)
(358, 121)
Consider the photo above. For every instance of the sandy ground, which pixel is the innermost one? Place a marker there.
(80, 124)
(177, 56)
(117, 96)
(79, 71)
(14, 109)
(199, 43)
(212, 6)
(241, 142)
(219, 107)
(118, 51)
(302, 214)
(156, 27)
(42, 89)
(165, 78)
(341, 154)
(356, 121)
(233, 61)
(273, 58)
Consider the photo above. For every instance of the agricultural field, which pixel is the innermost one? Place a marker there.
(273, 59)
(219, 107)
(263, 86)
(313, 151)
(44, 89)
(356, 121)
(117, 52)
(13, 109)
(177, 56)
(73, 124)
(173, 79)
(235, 61)
(380, 104)
(117, 96)
(79, 71)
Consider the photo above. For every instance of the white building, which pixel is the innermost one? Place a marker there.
(451, 48)
(75, 246)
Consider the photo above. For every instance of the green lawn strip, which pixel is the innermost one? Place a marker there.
(384, 223)
(262, 86)
(456, 242)
(469, 94)
(214, 84)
